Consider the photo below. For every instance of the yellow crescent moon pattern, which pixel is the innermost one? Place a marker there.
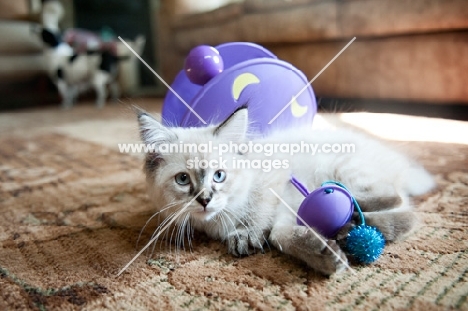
(298, 110)
(241, 82)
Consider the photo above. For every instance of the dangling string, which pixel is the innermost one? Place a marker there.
(302, 189)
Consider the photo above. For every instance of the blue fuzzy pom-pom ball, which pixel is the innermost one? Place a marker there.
(365, 243)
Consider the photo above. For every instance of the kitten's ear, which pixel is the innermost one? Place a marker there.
(235, 127)
(152, 131)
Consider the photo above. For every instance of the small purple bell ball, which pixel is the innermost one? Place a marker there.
(326, 209)
(202, 64)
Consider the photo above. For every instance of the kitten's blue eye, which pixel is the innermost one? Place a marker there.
(182, 179)
(219, 176)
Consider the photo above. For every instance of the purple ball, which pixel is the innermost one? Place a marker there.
(327, 210)
(202, 64)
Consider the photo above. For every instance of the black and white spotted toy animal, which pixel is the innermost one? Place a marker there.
(74, 73)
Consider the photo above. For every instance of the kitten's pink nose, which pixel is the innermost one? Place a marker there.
(204, 201)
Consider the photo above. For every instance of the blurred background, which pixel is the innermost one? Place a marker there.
(409, 57)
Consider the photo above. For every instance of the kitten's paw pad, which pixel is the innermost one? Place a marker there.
(243, 242)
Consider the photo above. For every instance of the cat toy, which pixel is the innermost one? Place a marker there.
(330, 207)
(216, 81)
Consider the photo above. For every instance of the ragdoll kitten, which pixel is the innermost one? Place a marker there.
(235, 204)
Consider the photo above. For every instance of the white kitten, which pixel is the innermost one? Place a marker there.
(236, 205)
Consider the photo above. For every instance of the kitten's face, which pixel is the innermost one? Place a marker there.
(203, 184)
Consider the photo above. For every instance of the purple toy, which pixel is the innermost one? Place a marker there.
(327, 209)
(218, 80)
(202, 64)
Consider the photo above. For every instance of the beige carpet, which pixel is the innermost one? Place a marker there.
(72, 206)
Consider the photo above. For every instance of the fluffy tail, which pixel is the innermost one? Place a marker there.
(418, 181)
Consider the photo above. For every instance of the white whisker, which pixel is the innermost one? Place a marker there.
(178, 242)
(189, 235)
(170, 240)
(172, 204)
(223, 224)
(165, 221)
(233, 225)
(182, 231)
(157, 236)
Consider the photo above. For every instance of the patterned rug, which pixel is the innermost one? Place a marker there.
(72, 206)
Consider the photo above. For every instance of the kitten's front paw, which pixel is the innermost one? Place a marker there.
(334, 261)
(244, 242)
(326, 258)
